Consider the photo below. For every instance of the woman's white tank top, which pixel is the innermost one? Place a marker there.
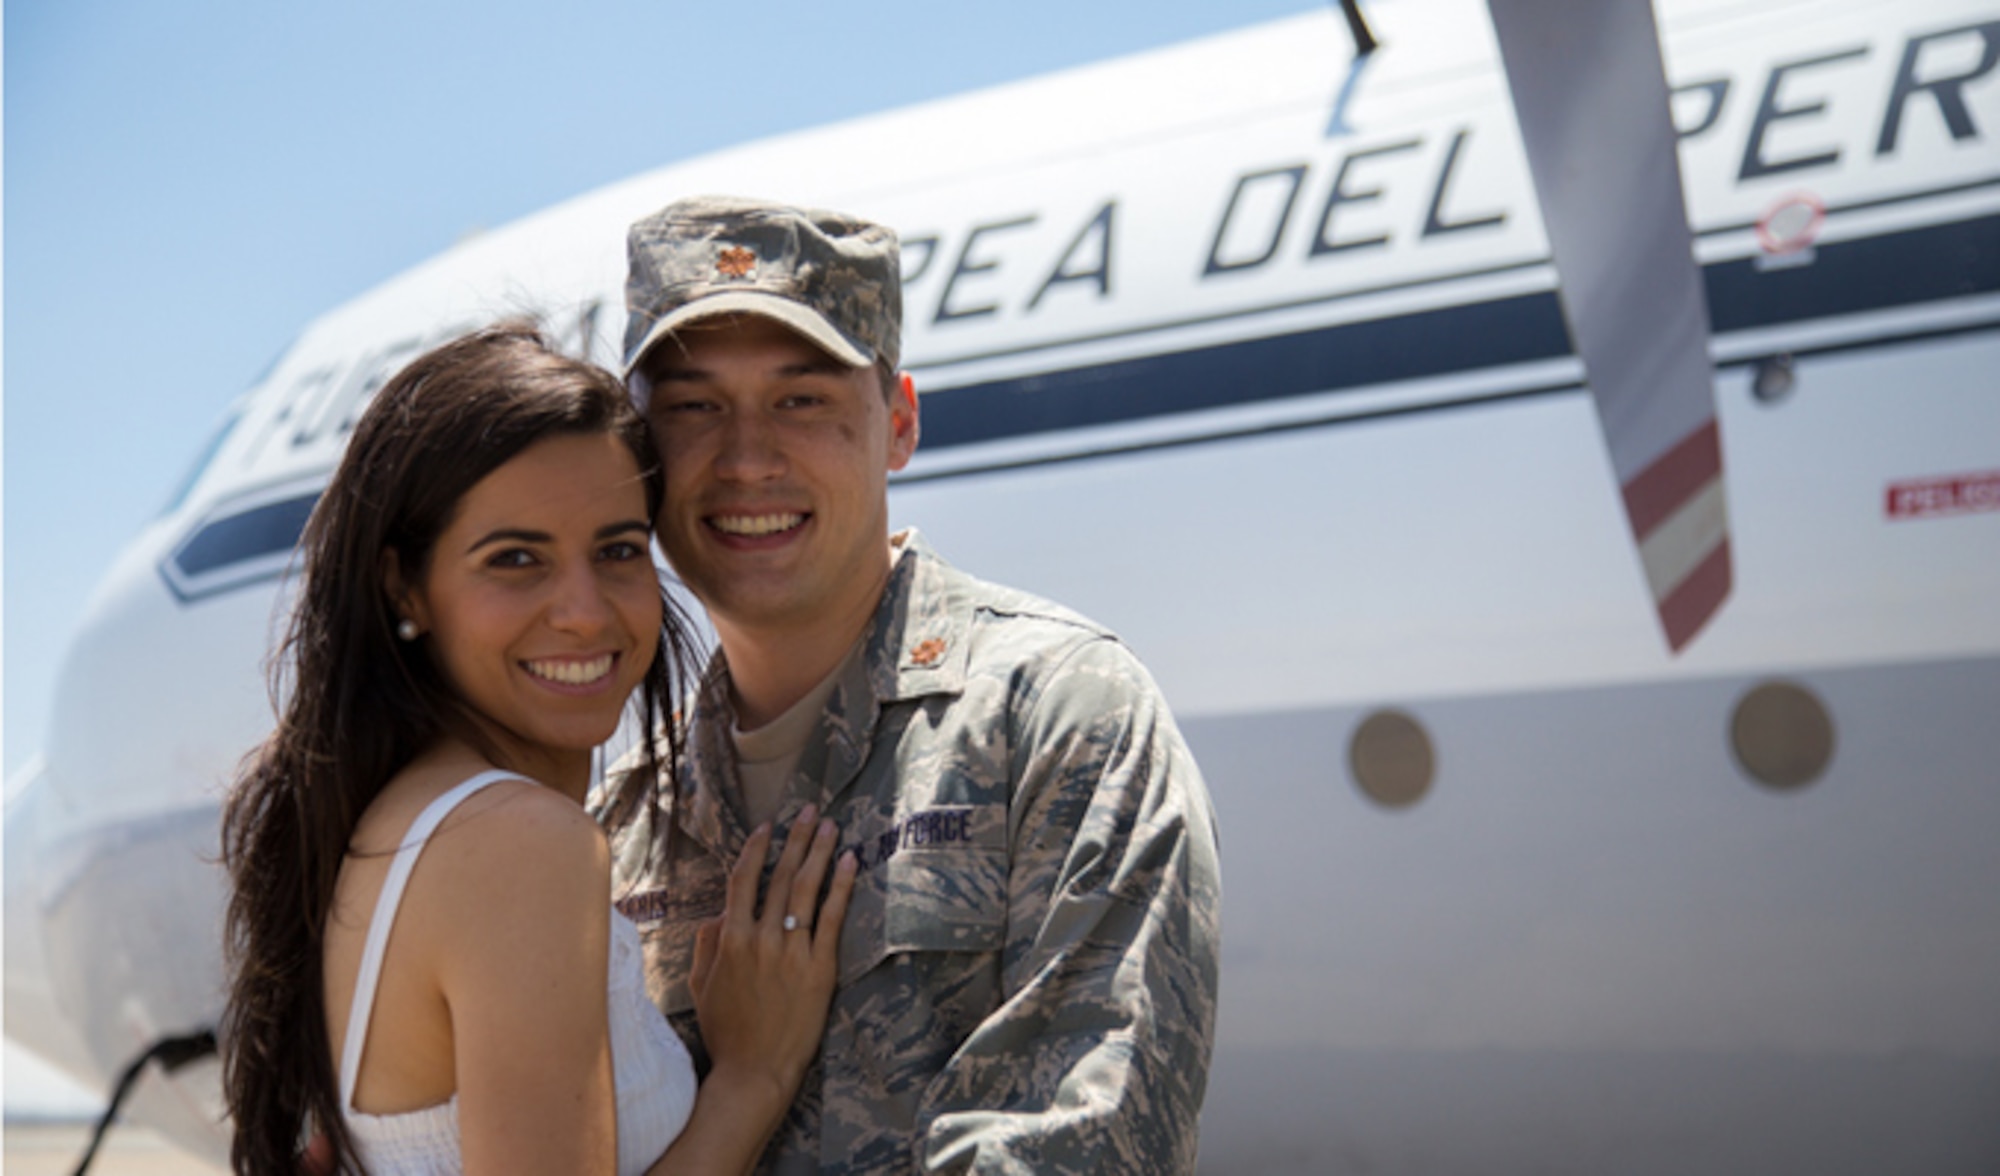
(650, 1068)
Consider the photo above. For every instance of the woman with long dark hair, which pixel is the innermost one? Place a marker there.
(426, 975)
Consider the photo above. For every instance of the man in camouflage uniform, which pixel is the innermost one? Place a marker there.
(1028, 967)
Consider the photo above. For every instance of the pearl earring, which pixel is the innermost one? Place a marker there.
(407, 629)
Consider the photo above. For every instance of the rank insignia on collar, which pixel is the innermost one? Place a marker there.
(736, 262)
(927, 652)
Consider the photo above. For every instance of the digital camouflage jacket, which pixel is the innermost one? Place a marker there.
(1028, 968)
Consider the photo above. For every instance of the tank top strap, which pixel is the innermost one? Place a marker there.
(386, 904)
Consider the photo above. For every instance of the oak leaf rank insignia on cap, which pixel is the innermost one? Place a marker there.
(833, 278)
(736, 262)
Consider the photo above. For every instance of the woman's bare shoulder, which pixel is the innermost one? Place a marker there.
(511, 866)
(517, 832)
(510, 813)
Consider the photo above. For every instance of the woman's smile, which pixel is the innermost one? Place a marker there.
(589, 672)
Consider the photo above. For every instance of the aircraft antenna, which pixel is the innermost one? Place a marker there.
(1364, 41)
(1365, 45)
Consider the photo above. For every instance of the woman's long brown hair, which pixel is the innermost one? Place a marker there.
(357, 704)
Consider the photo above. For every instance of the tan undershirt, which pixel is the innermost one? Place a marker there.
(767, 756)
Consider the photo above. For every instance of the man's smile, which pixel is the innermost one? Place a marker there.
(757, 526)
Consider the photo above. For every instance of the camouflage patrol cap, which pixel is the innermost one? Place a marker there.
(834, 278)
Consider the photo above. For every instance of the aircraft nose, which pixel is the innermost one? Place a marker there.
(33, 1017)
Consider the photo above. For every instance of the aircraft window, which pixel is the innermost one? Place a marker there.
(1392, 759)
(1782, 735)
(1774, 380)
(253, 533)
(241, 547)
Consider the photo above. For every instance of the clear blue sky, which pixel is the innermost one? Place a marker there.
(188, 184)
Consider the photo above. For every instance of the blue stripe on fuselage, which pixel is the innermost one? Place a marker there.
(1913, 267)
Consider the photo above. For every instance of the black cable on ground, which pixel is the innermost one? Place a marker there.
(172, 1053)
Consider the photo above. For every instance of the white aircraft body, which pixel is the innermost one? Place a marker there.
(1252, 351)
